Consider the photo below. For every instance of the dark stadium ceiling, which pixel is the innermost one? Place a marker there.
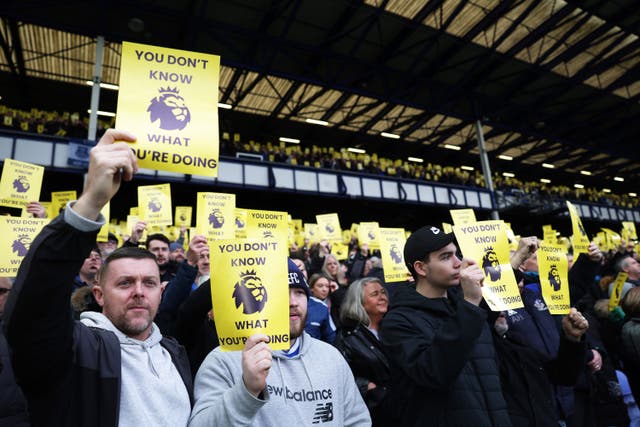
(553, 81)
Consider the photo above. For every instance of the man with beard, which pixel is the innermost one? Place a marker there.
(158, 244)
(308, 384)
(92, 371)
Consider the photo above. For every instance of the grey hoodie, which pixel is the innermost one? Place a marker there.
(152, 391)
(314, 387)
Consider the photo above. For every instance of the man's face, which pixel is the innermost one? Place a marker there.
(91, 265)
(177, 254)
(443, 268)
(107, 247)
(632, 268)
(531, 263)
(203, 262)
(129, 294)
(161, 250)
(297, 312)
(5, 288)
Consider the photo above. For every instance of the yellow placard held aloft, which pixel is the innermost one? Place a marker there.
(369, 233)
(311, 233)
(215, 215)
(486, 243)
(329, 227)
(154, 203)
(553, 268)
(17, 233)
(183, 216)
(614, 300)
(447, 228)
(392, 242)
(297, 225)
(250, 291)
(267, 225)
(340, 251)
(241, 223)
(580, 237)
(20, 183)
(549, 234)
(103, 234)
(59, 200)
(462, 216)
(613, 238)
(165, 100)
(629, 231)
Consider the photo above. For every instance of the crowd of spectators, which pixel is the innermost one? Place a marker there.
(75, 125)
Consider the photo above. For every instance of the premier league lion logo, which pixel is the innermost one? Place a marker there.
(216, 219)
(371, 236)
(267, 234)
(21, 185)
(490, 264)
(170, 109)
(554, 278)
(239, 222)
(250, 293)
(154, 205)
(21, 245)
(329, 228)
(395, 253)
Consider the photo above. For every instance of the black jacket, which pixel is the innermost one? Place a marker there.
(368, 361)
(70, 373)
(443, 360)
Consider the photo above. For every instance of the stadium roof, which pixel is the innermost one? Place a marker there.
(553, 81)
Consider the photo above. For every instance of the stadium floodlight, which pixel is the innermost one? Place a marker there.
(548, 165)
(291, 140)
(588, 173)
(452, 147)
(104, 85)
(505, 157)
(225, 106)
(415, 159)
(508, 174)
(103, 113)
(618, 178)
(578, 185)
(356, 150)
(466, 168)
(389, 135)
(317, 122)
(545, 181)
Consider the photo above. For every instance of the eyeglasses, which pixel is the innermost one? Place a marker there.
(4, 291)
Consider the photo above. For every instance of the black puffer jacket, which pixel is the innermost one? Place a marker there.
(369, 363)
(444, 363)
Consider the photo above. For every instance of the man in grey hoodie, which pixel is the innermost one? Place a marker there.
(111, 368)
(309, 384)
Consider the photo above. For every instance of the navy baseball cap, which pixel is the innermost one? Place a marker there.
(296, 278)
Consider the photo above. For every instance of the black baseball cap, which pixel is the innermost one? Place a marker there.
(423, 241)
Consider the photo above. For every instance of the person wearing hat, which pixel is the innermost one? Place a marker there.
(308, 384)
(439, 342)
(109, 246)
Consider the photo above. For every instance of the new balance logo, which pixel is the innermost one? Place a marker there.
(324, 413)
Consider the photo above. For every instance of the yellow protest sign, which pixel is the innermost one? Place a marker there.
(486, 243)
(614, 300)
(329, 227)
(183, 216)
(311, 232)
(340, 251)
(549, 234)
(462, 216)
(250, 291)
(59, 200)
(241, 223)
(267, 225)
(629, 231)
(580, 238)
(553, 268)
(215, 215)
(103, 234)
(166, 100)
(392, 242)
(369, 233)
(447, 228)
(20, 183)
(154, 204)
(17, 233)
(613, 238)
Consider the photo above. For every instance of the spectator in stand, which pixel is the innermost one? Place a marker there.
(631, 340)
(176, 252)
(319, 323)
(109, 246)
(362, 311)
(13, 407)
(95, 368)
(627, 264)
